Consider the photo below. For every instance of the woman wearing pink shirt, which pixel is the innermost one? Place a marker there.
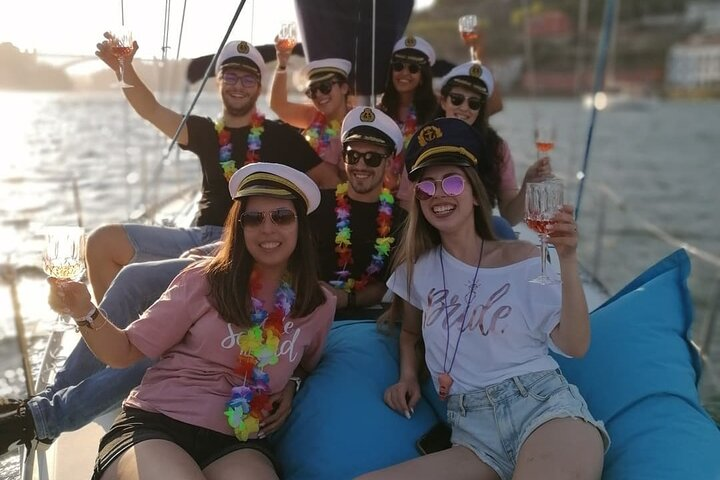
(233, 336)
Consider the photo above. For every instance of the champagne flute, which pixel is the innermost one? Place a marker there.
(545, 133)
(122, 47)
(467, 25)
(288, 36)
(64, 257)
(542, 201)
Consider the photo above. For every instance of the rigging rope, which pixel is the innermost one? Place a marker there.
(182, 26)
(608, 16)
(166, 31)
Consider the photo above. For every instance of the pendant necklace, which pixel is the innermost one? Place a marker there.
(445, 381)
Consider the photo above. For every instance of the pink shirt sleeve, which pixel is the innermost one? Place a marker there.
(508, 181)
(166, 322)
(325, 314)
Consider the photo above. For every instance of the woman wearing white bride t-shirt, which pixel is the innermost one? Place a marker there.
(512, 412)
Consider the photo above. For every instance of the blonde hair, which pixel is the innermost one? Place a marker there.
(419, 236)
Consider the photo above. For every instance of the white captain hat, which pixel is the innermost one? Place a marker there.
(414, 49)
(472, 75)
(371, 125)
(240, 54)
(325, 69)
(274, 180)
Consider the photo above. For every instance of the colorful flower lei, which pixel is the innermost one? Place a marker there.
(397, 164)
(321, 132)
(229, 165)
(409, 126)
(344, 244)
(250, 402)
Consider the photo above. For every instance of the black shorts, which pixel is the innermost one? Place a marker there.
(205, 446)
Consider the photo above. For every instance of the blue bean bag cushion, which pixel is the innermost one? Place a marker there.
(640, 377)
(340, 427)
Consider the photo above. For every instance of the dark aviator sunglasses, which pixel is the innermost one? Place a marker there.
(457, 99)
(400, 66)
(281, 217)
(324, 87)
(453, 185)
(371, 159)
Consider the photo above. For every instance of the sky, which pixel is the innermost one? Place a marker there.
(74, 26)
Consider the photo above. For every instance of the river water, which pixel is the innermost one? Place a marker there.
(658, 158)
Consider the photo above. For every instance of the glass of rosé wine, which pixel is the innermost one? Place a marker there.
(542, 201)
(545, 133)
(121, 46)
(64, 257)
(467, 25)
(287, 36)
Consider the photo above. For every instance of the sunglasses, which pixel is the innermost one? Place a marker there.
(281, 217)
(371, 159)
(457, 99)
(324, 87)
(452, 185)
(247, 81)
(400, 66)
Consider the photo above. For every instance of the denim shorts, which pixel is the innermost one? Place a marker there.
(205, 446)
(495, 422)
(151, 242)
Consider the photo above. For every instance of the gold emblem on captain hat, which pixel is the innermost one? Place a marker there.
(410, 41)
(243, 48)
(429, 134)
(475, 71)
(367, 115)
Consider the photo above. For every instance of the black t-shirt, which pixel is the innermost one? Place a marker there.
(363, 226)
(280, 143)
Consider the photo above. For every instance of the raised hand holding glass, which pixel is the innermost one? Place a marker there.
(121, 47)
(542, 201)
(64, 257)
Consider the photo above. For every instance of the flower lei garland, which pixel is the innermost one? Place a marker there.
(250, 402)
(253, 144)
(321, 132)
(409, 126)
(397, 164)
(343, 242)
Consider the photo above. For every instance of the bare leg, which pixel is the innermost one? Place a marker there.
(154, 459)
(458, 463)
(246, 464)
(561, 448)
(108, 250)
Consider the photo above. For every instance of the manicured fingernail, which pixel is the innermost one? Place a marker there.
(261, 435)
(412, 410)
(407, 414)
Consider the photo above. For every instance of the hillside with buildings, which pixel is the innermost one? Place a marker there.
(546, 47)
(550, 47)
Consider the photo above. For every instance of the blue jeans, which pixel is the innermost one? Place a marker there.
(152, 243)
(494, 422)
(85, 388)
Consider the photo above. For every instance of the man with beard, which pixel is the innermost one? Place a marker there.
(357, 224)
(240, 136)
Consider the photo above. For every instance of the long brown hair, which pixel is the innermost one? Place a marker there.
(424, 98)
(419, 236)
(493, 145)
(228, 273)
